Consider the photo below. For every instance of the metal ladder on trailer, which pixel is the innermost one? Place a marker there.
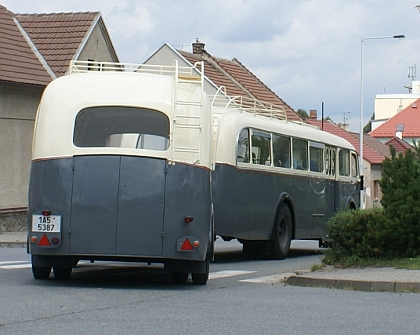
(188, 115)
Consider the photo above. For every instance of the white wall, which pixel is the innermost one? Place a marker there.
(18, 105)
(388, 105)
(96, 48)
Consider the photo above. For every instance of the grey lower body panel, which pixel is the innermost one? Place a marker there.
(246, 203)
(122, 208)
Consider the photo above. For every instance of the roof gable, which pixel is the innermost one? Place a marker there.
(408, 117)
(238, 80)
(18, 62)
(60, 36)
(399, 144)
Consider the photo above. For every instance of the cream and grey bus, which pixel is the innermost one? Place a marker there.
(138, 163)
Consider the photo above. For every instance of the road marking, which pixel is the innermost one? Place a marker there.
(273, 279)
(15, 265)
(11, 265)
(228, 273)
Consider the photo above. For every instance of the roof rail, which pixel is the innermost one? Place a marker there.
(250, 105)
(184, 72)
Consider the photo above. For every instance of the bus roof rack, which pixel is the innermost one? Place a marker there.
(183, 72)
(250, 105)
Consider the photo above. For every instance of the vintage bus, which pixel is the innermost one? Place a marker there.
(277, 181)
(121, 170)
(138, 163)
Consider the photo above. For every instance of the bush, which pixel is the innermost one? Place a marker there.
(391, 232)
(360, 234)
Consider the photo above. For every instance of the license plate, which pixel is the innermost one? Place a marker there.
(46, 224)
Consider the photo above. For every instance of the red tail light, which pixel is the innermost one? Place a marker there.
(187, 245)
(46, 212)
(44, 241)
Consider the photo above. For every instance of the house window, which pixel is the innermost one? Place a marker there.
(92, 65)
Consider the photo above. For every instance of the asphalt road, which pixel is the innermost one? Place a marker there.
(242, 296)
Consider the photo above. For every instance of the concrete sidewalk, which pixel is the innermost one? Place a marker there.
(360, 279)
(366, 279)
(13, 239)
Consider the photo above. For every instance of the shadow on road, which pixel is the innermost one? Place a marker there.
(238, 256)
(121, 275)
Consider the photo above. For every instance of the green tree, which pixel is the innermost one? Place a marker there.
(400, 184)
(368, 127)
(303, 113)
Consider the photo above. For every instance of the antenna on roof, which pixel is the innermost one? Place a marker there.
(412, 72)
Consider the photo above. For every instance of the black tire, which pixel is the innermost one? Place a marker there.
(41, 272)
(179, 277)
(201, 278)
(282, 233)
(62, 273)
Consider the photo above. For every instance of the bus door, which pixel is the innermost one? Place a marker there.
(317, 188)
(348, 189)
(331, 194)
(117, 205)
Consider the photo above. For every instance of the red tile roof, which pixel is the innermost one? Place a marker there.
(399, 144)
(375, 144)
(373, 151)
(408, 117)
(18, 63)
(58, 36)
(238, 80)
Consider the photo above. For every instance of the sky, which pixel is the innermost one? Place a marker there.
(309, 52)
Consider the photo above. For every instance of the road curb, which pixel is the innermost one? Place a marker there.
(358, 285)
(13, 244)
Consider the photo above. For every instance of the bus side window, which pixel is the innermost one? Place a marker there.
(242, 148)
(344, 163)
(353, 165)
(328, 161)
(300, 154)
(261, 148)
(316, 159)
(281, 151)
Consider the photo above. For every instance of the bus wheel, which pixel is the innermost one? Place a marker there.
(201, 278)
(61, 273)
(179, 277)
(41, 272)
(282, 233)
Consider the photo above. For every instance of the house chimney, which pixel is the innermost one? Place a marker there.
(399, 131)
(198, 47)
(313, 114)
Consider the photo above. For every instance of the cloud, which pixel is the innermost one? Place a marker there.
(307, 51)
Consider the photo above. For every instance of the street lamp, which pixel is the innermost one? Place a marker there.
(361, 105)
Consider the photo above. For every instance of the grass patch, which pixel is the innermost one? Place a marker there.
(317, 267)
(352, 261)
